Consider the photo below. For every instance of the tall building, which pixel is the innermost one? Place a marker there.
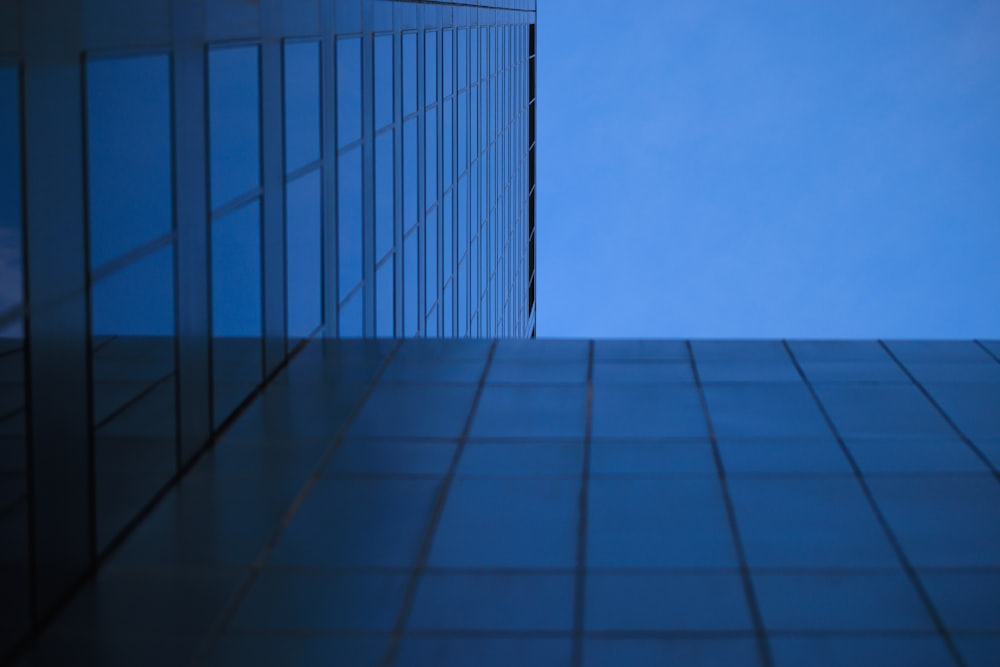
(190, 189)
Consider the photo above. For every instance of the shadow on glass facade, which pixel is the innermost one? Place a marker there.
(190, 190)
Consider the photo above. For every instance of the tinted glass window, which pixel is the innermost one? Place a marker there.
(303, 245)
(128, 154)
(409, 173)
(349, 221)
(137, 300)
(11, 286)
(302, 104)
(351, 317)
(409, 72)
(234, 122)
(383, 194)
(447, 63)
(430, 68)
(410, 284)
(430, 158)
(383, 81)
(430, 256)
(384, 299)
(447, 176)
(348, 90)
(447, 252)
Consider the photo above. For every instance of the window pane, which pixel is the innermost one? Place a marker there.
(385, 306)
(430, 257)
(11, 294)
(234, 122)
(303, 263)
(463, 215)
(383, 81)
(349, 221)
(348, 90)
(447, 176)
(448, 328)
(409, 65)
(430, 158)
(447, 251)
(128, 154)
(410, 212)
(463, 59)
(236, 308)
(463, 133)
(430, 68)
(463, 298)
(410, 284)
(447, 71)
(384, 202)
(351, 317)
(302, 104)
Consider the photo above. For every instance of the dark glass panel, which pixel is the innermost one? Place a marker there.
(430, 158)
(462, 42)
(447, 63)
(409, 57)
(430, 259)
(304, 263)
(134, 413)
(383, 81)
(349, 221)
(410, 211)
(385, 306)
(302, 104)
(430, 67)
(352, 317)
(348, 90)
(234, 122)
(447, 175)
(411, 277)
(236, 308)
(384, 194)
(14, 573)
(128, 154)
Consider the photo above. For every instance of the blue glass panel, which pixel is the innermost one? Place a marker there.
(447, 175)
(430, 324)
(447, 63)
(446, 310)
(409, 72)
(430, 68)
(233, 121)
(462, 41)
(304, 263)
(473, 56)
(383, 81)
(384, 194)
(411, 277)
(128, 154)
(447, 251)
(348, 90)
(430, 158)
(11, 292)
(137, 300)
(463, 296)
(236, 273)
(410, 211)
(385, 306)
(302, 104)
(430, 258)
(351, 317)
(349, 221)
(463, 215)
(463, 133)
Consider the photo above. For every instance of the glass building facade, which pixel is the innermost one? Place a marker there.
(192, 189)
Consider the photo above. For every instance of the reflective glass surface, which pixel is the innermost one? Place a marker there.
(234, 121)
(348, 90)
(384, 194)
(349, 221)
(15, 602)
(303, 264)
(430, 67)
(236, 307)
(128, 154)
(410, 212)
(383, 81)
(302, 104)
(384, 299)
(411, 286)
(430, 161)
(409, 73)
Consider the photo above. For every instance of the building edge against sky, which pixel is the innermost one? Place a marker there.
(191, 188)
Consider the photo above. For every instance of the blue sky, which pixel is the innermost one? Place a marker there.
(769, 169)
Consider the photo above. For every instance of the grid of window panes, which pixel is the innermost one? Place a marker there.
(451, 183)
